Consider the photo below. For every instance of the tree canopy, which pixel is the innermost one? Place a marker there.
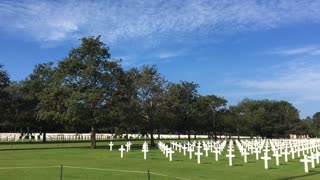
(90, 91)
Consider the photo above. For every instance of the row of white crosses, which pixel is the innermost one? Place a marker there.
(283, 148)
(193, 148)
(280, 149)
(121, 149)
(165, 149)
(128, 146)
(301, 146)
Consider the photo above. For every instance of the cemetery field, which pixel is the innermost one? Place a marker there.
(43, 161)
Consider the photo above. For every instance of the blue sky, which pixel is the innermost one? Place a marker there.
(232, 48)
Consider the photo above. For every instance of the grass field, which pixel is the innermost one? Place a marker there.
(43, 161)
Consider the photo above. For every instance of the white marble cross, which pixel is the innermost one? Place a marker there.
(199, 145)
(318, 156)
(312, 158)
(305, 160)
(170, 152)
(216, 152)
(276, 154)
(145, 150)
(190, 152)
(245, 154)
(184, 147)
(266, 149)
(206, 148)
(292, 151)
(122, 150)
(257, 153)
(128, 146)
(230, 156)
(285, 153)
(211, 147)
(110, 145)
(266, 158)
(298, 151)
(167, 150)
(199, 154)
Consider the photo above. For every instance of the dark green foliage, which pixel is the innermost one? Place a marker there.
(150, 93)
(88, 90)
(4, 97)
(268, 118)
(82, 86)
(211, 110)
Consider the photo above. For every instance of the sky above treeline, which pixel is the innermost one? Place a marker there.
(232, 48)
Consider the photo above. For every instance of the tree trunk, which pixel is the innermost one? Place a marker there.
(189, 136)
(44, 137)
(152, 139)
(215, 136)
(159, 134)
(93, 137)
(127, 136)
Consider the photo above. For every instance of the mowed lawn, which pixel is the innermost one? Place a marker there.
(43, 161)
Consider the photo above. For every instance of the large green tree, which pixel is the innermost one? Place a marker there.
(268, 118)
(125, 112)
(150, 93)
(316, 123)
(81, 89)
(183, 97)
(35, 85)
(22, 109)
(4, 96)
(210, 110)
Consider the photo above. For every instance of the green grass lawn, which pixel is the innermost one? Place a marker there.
(42, 161)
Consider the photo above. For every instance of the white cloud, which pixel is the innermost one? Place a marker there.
(310, 50)
(116, 20)
(299, 79)
(169, 54)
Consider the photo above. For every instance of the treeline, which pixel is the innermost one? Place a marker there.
(90, 91)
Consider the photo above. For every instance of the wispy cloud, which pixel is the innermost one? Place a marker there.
(117, 20)
(169, 54)
(310, 50)
(299, 79)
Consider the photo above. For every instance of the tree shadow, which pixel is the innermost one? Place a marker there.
(238, 165)
(301, 176)
(44, 148)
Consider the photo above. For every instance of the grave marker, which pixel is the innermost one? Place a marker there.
(121, 150)
(266, 158)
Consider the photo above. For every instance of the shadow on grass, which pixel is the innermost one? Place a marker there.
(238, 165)
(44, 148)
(207, 163)
(62, 146)
(251, 162)
(312, 173)
(283, 164)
